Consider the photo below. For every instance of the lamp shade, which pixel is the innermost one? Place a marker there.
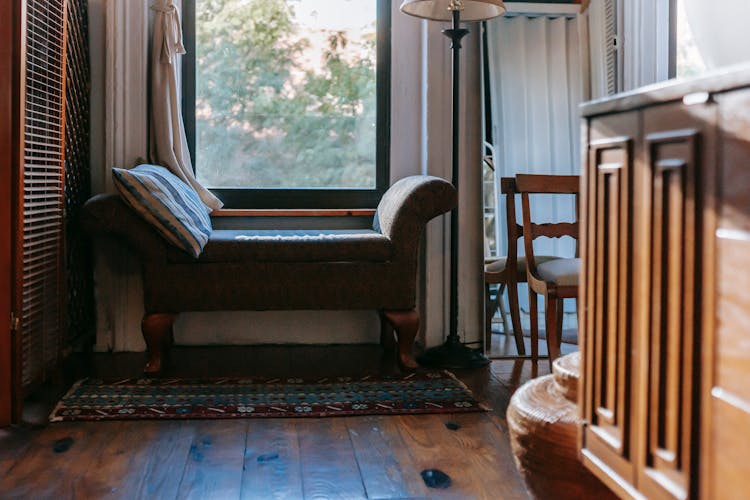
(441, 10)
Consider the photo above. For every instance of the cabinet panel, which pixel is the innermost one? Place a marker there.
(608, 290)
(671, 170)
(609, 339)
(679, 142)
(726, 392)
(729, 395)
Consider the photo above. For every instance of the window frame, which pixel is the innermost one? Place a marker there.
(302, 198)
(672, 72)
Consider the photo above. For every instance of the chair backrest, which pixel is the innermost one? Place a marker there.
(528, 184)
(513, 229)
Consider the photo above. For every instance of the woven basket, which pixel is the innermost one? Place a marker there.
(543, 422)
(566, 372)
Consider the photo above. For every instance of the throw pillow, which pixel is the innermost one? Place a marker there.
(172, 207)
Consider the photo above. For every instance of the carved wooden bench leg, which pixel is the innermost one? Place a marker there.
(387, 339)
(157, 332)
(406, 324)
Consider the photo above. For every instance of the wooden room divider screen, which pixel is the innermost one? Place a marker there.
(80, 322)
(39, 252)
(43, 186)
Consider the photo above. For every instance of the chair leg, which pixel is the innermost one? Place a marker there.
(406, 324)
(501, 305)
(534, 320)
(489, 312)
(157, 332)
(578, 322)
(560, 315)
(515, 317)
(516, 372)
(550, 315)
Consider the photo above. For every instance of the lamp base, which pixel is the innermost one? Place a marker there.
(452, 354)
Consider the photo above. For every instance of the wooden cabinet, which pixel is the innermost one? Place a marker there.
(665, 302)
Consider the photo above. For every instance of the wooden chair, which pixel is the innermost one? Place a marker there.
(507, 272)
(554, 279)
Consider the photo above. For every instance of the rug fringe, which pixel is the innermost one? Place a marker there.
(480, 404)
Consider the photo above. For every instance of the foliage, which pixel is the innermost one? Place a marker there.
(269, 116)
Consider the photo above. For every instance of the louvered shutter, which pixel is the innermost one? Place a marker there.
(80, 288)
(41, 251)
(611, 48)
(604, 48)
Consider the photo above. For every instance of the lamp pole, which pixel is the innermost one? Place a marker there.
(452, 353)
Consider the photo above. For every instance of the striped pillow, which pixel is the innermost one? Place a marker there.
(167, 203)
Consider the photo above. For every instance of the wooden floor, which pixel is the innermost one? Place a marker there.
(348, 457)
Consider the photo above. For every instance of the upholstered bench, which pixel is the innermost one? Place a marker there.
(283, 269)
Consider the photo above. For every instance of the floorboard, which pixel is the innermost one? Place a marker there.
(488, 462)
(43, 472)
(119, 454)
(14, 441)
(272, 468)
(378, 457)
(329, 467)
(467, 455)
(387, 468)
(159, 475)
(213, 469)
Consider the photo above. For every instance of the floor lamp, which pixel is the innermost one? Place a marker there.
(453, 354)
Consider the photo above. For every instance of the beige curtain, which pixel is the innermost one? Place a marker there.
(168, 145)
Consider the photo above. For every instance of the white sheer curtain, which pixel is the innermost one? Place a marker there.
(644, 38)
(537, 81)
(536, 85)
(118, 31)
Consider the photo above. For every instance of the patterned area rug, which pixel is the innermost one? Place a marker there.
(424, 392)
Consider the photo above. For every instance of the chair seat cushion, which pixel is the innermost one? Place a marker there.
(498, 266)
(562, 272)
(328, 245)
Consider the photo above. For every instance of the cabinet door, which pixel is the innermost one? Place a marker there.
(726, 393)
(678, 148)
(607, 293)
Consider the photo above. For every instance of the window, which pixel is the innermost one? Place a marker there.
(286, 102)
(687, 59)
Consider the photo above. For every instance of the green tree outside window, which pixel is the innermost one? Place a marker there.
(281, 106)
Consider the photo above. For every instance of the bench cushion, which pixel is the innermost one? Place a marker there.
(340, 245)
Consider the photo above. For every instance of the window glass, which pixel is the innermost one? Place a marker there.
(689, 60)
(285, 93)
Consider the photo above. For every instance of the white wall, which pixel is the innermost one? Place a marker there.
(420, 143)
